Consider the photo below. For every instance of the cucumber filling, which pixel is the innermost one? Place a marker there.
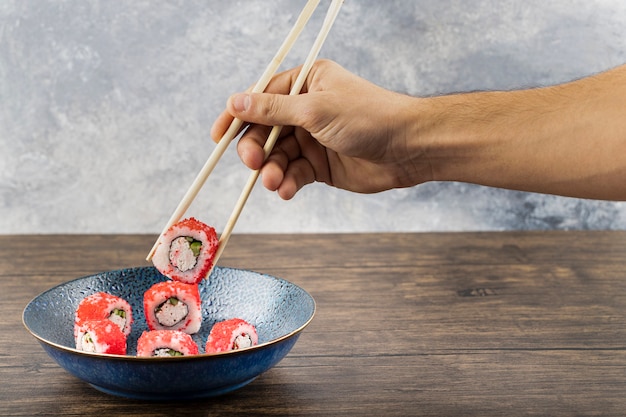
(118, 316)
(87, 344)
(165, 352)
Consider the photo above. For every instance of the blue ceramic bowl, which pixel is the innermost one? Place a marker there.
(279, 309)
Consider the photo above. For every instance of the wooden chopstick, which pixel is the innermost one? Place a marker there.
(236, 124)
(331, 16)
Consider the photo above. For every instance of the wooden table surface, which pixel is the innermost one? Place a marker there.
(442, 324)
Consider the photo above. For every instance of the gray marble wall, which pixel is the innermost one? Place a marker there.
(106, 105)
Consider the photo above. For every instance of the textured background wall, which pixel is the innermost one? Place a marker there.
(105, 106)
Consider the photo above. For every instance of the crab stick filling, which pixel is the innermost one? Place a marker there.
(171, 312)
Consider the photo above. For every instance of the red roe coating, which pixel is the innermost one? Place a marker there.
(231, 335)
(99, 306)
(176, 260)
(156, 340)
(161, 292)
(103, 336)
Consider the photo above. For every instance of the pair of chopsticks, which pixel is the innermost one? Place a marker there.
(236, 124)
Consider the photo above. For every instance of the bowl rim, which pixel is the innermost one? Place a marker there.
(260, 346)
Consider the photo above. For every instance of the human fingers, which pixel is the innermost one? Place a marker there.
(221, 125)
(250, 146)
(274, 109)
(298, 174)
(280, 84)
(297, 160)
(285, 151)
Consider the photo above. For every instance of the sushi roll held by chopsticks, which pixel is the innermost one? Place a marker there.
(185, 252)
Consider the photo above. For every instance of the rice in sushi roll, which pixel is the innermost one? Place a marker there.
(173, 305)
(166, 343)
(186, 250)
(100, 336)
(230, 335)
(104, 306)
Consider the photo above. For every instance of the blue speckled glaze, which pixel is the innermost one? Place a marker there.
(279, 309)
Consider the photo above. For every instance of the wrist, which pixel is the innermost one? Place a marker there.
(444, 134)
(475, 137)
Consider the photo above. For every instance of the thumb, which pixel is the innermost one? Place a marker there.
(265, 108)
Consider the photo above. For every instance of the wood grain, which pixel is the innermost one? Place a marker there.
(443, 324)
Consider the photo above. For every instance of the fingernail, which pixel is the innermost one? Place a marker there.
(241, 102)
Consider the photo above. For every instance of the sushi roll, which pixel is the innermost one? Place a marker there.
(173, 305)
(231, 334)
(186, 250)
(166, 343)
(100, 306)
(101, 336)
